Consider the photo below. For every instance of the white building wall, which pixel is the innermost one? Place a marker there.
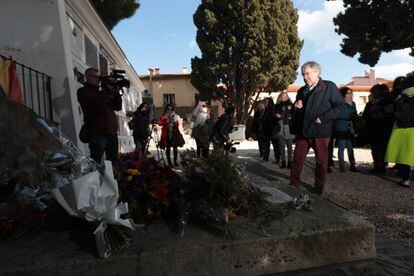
(40, 34)
(32, 32)
(82, 20)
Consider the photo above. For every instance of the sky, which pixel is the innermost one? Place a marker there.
(162, 34)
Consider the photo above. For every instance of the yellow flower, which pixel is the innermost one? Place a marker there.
(133, 172)
(229, 214)
(232, 198)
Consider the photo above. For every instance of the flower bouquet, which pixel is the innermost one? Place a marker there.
(152, 190)
(218, 194)
(88, 191)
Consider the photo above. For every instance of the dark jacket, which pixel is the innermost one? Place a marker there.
(222, 129)
(98, 108)
(342, 123)
(283, 109)
(256, 120)
(141, 129)
(266, 123)
(378, 124)
(273, 124)
(325, 102)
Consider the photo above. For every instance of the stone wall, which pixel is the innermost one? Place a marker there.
(23, 141)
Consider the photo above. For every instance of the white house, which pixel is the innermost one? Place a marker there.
(62, 38)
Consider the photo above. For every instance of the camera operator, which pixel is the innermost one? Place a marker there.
(223, 127)
(98, 106)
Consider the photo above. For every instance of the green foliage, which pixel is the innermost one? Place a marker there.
(215, 178)
(113, 11)
(375, 26)
(217, 181)
(248, 46)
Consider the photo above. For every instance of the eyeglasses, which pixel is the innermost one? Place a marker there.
(170, 109)
(95, 76)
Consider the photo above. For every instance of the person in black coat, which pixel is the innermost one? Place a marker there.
(317, 105)
(258, 114)
(378, 124)
(266, 129)
(223, 127)
(141, 130)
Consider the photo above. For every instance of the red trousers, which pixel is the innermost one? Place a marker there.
(320, 147)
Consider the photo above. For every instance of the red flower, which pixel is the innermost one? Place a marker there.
(161, 193)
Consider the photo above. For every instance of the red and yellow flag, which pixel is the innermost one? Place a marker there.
(9, 81)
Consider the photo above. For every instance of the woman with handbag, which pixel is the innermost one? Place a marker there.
(343, 131)
(170, 133)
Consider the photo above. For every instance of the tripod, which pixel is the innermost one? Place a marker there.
(154, 137)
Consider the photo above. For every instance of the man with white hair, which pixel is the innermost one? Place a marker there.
(317, 104)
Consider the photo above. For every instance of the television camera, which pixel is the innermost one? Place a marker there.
(116, 79)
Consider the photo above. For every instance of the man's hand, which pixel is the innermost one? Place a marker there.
(278, 116)
(318, 121)
(299, 104)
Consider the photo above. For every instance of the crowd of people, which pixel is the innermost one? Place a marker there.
(320, 117)
(323, 116)
(205, 130)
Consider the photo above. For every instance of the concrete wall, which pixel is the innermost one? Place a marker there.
(33, 33)
(39, 34)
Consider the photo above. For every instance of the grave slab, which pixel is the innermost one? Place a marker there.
(304, 239)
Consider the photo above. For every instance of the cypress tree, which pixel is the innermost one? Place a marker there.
(248, 46)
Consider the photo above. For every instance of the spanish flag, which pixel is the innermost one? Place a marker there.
(9, 82)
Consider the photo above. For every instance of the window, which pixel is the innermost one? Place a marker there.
(91, 52)
(363, 99)
(103, 65)
(169, 99)
(76, 39)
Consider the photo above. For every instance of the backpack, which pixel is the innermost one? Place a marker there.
(404, 111)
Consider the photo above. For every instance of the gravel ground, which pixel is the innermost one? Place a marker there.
(378, 198)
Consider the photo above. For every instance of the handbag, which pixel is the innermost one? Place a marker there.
(178, 140)
(84, 134)
(131, 124)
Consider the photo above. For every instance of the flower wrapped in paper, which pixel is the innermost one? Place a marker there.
(89, 191)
